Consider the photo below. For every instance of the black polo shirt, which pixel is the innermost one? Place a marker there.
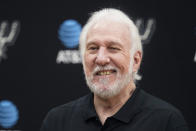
(142, 112)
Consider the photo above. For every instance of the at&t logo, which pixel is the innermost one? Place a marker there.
(69, 33)
(8, 114)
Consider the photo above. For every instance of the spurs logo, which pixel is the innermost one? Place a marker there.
(147, 31)
(8, 35)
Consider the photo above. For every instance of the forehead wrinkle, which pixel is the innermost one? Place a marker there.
(99, 26)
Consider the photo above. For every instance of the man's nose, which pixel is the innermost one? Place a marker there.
(102, 57)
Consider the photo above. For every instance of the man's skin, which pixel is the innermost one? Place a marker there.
(108, 43)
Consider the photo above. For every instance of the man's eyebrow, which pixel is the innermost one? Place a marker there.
(108, 43)
(114, 43)
(90, 43)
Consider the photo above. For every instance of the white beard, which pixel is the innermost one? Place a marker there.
(112, 89)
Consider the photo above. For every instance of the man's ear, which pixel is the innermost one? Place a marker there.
(137, 57)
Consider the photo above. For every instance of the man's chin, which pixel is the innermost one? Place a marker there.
(105, 88)
(104, 94)
(104, 91)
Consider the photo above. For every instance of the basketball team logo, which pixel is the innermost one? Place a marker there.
(8, 36)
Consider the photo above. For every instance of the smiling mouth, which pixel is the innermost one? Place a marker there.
(105, 72)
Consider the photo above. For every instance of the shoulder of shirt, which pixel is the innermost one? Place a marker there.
(154, 103)
(162, 109)
(74, 105)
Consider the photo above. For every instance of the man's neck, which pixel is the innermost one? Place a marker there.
(106, 107)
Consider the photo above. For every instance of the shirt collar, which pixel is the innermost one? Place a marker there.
(131, 107)
(89, 111)
(125, 114)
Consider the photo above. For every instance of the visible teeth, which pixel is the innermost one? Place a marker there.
(104, 73)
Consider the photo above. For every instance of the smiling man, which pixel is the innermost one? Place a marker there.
(111, 53)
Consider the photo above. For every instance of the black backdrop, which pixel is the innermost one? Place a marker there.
(31, 78)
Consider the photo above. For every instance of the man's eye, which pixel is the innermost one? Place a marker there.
(114, 48)
(93, 48)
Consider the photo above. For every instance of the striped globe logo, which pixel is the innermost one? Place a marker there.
(69, 33)
(8, 114)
